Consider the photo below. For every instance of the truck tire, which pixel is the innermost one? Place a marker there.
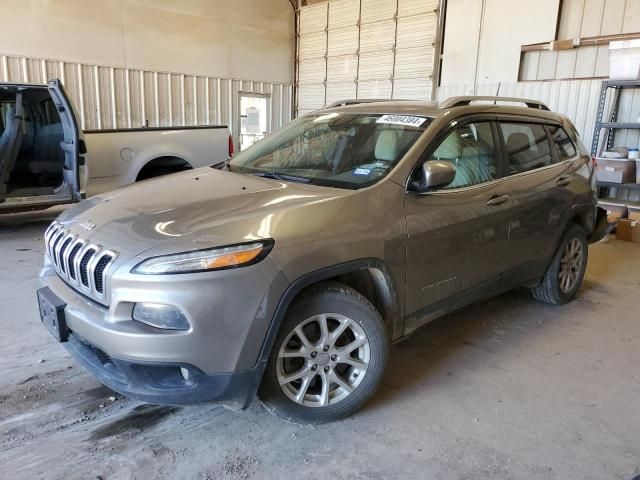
(565, 273)
(328, 358)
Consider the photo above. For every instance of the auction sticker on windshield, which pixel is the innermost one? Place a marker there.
(409, 120)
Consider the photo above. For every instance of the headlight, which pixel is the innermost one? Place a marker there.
(204, 260)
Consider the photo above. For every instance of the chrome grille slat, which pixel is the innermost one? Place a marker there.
(85, 259)
(55, 247)
(73, 252)
(82, 264)
(64, 245)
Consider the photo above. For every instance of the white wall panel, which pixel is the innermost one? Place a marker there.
(313, 45)
(377, 10)
(218, 38)
(412, 88)
(377, 36)
(342, 69)
(311, 96)
(376, 66)
(408, 8)
(374, 46)
(313, 19)
(414, 63)
(312, 71)
(112, 97)
(374, 89)
(343, 41)
(340, 91)
(582, 18)
(344, 13)
(577, 99)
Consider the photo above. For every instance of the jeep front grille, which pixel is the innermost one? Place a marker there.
(82, 264)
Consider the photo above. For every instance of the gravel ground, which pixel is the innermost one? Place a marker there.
(508, 388)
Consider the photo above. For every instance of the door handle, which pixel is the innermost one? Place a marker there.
(497, 200)
(563, 181)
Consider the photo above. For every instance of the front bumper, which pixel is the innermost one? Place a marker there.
(229, 313)
(164, 384)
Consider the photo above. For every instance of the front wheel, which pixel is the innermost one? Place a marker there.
(328, 358)
(564, 275)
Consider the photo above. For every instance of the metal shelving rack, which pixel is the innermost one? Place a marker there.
(611, 124)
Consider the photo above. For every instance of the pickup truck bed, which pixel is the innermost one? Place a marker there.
(119, 157)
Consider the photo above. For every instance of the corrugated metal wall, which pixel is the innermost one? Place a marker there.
(109, 97)
(365, 49)
(577, 99)
(582, 18)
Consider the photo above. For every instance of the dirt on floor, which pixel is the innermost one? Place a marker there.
(506, 389)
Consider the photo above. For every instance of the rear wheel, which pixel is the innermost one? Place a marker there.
(564, 275)
(328, 358)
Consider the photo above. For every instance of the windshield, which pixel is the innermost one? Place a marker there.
(344, 150)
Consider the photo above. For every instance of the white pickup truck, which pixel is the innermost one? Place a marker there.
(46, 160)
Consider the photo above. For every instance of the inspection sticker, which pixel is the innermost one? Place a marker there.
(409, 120)
(362, 171)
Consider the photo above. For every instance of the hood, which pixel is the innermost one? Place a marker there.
(188, 210)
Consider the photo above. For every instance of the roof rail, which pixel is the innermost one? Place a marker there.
(354, 101)
(466, 100)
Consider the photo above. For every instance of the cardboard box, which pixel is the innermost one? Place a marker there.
(615, 210)
(628, 230)
(616, 170)
(633, 212)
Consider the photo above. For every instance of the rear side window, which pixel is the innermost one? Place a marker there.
(527, 146)
(562, 143)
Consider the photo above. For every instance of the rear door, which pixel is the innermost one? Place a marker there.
(457, 235)
(75, 172)
(539, 173)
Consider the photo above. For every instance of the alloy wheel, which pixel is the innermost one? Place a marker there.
(570, 265)
(323, 360)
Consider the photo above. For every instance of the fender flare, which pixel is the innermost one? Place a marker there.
(307, 280)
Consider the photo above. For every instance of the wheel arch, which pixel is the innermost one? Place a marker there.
(371, 277)
(163, 160)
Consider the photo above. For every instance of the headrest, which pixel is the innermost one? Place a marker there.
(388, 146)
(518, 142)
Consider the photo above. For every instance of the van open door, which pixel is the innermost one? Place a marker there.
(41, 148)
(75, 165)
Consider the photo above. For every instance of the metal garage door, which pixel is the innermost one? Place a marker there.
(365, 49)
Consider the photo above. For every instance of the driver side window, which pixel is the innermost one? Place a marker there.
(470, 149)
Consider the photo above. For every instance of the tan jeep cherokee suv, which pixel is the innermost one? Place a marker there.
(287, 271)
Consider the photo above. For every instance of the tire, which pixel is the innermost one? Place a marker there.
(555, 289)
(352, 375)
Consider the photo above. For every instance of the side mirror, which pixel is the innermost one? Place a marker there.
(437, 173)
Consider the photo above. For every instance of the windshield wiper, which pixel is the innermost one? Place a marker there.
(283, 177)
(222, 165)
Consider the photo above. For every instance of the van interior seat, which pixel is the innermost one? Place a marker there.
(48, 154)
(10, 142)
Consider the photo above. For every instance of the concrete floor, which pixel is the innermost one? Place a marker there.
(505, 389)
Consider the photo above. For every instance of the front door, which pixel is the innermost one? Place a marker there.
(457, 235)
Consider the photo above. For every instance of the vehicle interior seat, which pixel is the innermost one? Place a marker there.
(520, 154)
(10, 142)
(387, 146)
(48, 154)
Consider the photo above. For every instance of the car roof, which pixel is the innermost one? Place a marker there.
(456, 105)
